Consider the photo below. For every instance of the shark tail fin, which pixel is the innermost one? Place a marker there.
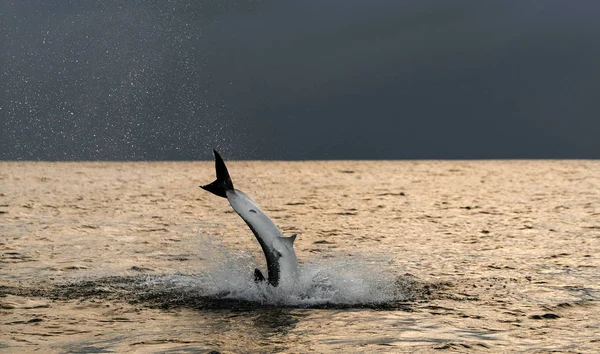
(223, 182)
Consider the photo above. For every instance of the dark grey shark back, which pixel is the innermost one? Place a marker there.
(271, 257)
(223, 182)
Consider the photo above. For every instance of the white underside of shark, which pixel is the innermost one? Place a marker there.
(271, 239)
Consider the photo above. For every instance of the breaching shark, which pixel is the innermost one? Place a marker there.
(282, 264)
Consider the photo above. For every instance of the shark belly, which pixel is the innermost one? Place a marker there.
(282, 264)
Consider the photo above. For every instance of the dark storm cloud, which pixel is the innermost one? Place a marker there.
(300, 80)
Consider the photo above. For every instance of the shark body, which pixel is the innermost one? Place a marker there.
(282, 264)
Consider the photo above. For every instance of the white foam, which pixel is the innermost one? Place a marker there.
(336, 280)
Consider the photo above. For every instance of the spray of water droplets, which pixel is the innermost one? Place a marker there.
(335, 281)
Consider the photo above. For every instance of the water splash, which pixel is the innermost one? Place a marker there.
(334, 281)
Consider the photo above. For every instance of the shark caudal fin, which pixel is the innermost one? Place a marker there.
(223, 182)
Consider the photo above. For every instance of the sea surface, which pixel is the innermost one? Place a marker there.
(396, 256)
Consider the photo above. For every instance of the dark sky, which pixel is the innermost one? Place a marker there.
(394, 79)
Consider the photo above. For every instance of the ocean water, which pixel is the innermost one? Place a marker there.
(396, 256)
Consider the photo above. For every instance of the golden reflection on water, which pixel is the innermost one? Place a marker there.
(513, 246)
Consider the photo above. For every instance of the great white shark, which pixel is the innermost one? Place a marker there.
(282, 264)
